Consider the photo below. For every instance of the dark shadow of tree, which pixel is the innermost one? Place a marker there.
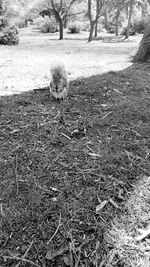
(72, 156)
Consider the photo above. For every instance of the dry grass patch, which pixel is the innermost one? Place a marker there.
(129, 235)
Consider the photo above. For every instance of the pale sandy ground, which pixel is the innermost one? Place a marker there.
(26, 66)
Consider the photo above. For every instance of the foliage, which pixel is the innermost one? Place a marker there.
(112, 25)
(74, 27)
(136, 27)
(46, 24)
(139, 26)
(18, 12)
(85, 26)
(131, 32)
(3, 22)
(95, 11)
(9, 36)
(20, 22)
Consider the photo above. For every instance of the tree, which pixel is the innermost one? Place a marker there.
(15, 10)
(118, 16)
(129, 19)
(94, 13)
(115, 8)
(143, 53)
(106, 19)
(1, 7)
(96, 24)
(58, 8)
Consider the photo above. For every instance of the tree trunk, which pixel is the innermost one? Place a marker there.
(60, 22)
(127, 11)
(65, 21)
(1, 7)
(129, 19)
(106, 20)
(117, 26)
(96, 23)
(61, 30)
(143, 53)
(117, 19)
(96, 26)
(92, 24)
(144, 11)
(58, 18)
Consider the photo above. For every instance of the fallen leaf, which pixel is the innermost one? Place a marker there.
(51, 254)
(14, 253)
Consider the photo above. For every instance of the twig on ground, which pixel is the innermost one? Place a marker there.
(6, 221)
(26, 253)
(66, 136)
(144, 233)
(117, 91)
(20, 259)
(109, 257)
(15, 165)
(56, 230)
(95, 155)
(90, 148)
(40, 187)
(107, 115)
(4, 133)
(2, 212)
(136, 132)
(48, 191)
(113, 203)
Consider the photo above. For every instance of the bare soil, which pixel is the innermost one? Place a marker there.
(68, 168)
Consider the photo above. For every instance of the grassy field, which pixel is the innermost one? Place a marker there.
(26, 66)
(75, 173)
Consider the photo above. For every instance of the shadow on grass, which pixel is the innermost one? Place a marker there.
(61, 160)
(35, 31)
(110, 39)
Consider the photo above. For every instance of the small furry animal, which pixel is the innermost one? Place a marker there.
(59, 82)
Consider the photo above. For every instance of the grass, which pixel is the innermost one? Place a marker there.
(26, 66)
(68, 169)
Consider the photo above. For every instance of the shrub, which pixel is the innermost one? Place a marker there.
(46, 25)
(85, 26)
(9, 36)
(74, 28)
(139, 26)
(3, 22)
(112, 29)
(38, 21)
(20, 24)
(131, 32)
(136, 27)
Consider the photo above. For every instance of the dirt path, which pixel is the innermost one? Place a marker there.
(26, 66)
